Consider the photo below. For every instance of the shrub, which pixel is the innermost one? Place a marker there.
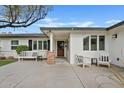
(2, 57)
(21, 48)
(10, 57)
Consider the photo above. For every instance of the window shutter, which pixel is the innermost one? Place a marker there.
(30, 44)
(48, 44)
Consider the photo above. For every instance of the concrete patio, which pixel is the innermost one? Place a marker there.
(31, 74)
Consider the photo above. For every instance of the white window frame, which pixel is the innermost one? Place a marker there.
(33, 45)
(38, 44)
(104, 42)
(14, 45)
(43, 44)
(89, 43)
(97, 42)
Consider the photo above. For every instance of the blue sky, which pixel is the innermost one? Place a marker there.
(76, 16)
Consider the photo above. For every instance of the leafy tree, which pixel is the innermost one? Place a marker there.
(22, 15)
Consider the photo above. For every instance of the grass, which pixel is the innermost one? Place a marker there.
(5, 62)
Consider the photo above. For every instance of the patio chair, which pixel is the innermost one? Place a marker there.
(79, 60)
(84, 61)
(87, 61)
(104, 60)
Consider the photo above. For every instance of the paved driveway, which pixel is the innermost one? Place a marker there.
(30, 74)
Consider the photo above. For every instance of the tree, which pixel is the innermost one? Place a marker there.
(21, 15)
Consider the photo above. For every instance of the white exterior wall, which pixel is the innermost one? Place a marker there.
(6, 46)
(76, 45)
(68, 49)
(117, 45)
(55, 47)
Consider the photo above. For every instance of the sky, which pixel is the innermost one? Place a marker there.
(75, 16)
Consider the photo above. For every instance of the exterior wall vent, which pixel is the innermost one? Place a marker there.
(114, 36)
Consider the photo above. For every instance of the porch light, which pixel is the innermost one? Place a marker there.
(114, 36)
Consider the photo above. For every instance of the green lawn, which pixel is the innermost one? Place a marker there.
(5, 62)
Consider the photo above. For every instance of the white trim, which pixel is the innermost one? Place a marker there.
(38, 45)
(104, 42)
(51, 42)
(97, 43)
(13, 45)
(89, 43)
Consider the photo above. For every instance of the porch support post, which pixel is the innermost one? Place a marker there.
(51, 54)
(51, 42)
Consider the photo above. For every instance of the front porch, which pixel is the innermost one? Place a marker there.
(59, 44)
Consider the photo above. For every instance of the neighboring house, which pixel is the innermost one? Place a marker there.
(70, 41)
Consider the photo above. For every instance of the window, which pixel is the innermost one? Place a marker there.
(93, 42)
(35, 45)
(14, 44)
(86, 43)
(40, 45)
(45, 45)
(101, 42)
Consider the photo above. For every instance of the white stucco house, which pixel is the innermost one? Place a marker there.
(70, 41)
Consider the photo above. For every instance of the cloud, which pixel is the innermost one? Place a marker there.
(50, 22)
(85, 24)
(56, 22)
(113, 21)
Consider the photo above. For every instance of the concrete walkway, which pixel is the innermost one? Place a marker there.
(31, 74)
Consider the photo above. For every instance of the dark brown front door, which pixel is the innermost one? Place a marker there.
(60, 48)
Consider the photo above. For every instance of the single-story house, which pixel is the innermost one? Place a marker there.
(70, 41)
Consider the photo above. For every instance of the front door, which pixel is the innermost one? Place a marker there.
(60, 48)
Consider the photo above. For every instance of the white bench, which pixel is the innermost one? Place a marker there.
(27, 55)
(104, 59)
(84, 61)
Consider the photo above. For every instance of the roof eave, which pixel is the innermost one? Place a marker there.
(115, 25)
(72, 28)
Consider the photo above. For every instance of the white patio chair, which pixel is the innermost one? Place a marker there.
(87, 61)
(84, 61)
(79, 60)
(104, 59)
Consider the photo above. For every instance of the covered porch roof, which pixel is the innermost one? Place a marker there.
(64, 32)
(57, 34)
